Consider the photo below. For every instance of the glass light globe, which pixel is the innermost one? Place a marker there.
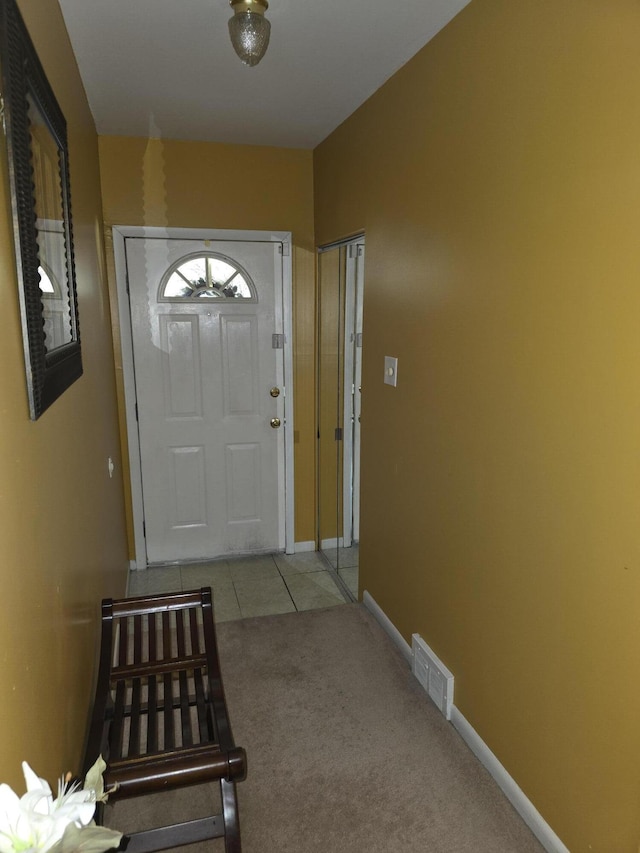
(249, 33)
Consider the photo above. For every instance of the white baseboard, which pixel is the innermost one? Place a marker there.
(386, 623)
(510, 788)
(512, 791)
(304, 546)
(325, 544)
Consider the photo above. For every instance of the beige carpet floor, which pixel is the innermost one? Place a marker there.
(345, 751)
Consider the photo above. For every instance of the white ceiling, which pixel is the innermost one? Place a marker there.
(166, 68)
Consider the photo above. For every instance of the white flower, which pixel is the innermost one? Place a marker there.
(37, 822)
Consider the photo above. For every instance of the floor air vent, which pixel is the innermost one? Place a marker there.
(432, 674)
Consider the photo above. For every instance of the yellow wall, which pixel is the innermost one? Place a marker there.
(171, 183)
(63, 544)
(497, 177)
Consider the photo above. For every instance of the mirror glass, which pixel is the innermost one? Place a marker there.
(50, 235)
(340, 291)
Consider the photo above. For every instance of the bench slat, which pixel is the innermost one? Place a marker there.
(159, 666)
(152, 689)
(134, 716)
(185, 715)
(167, 837)
(195, 636)
(201, 707)
(137, 639)
(117, 726)
(200, 699)
(152, 714)
(168, 726)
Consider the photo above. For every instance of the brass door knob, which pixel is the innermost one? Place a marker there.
(275, 423)
(275, 392)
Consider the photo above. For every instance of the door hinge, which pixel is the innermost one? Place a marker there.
(359, 340)
(3, 117)
(284, 250)
(144, 529)
(277, 341)
(338, 433)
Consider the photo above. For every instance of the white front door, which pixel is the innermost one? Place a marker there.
(209, 388)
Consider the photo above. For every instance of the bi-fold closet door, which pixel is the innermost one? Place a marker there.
(340, 348)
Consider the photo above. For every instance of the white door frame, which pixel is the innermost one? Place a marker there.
(120, 233)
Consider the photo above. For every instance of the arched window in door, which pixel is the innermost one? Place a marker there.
(48, 284)
(206, 275)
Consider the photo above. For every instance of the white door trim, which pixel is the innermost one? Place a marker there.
(120, 233)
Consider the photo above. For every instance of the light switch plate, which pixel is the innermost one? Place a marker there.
(390, 370)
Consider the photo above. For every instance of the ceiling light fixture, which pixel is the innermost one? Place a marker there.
(249, 29)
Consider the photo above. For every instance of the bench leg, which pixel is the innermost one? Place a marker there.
(230, 813)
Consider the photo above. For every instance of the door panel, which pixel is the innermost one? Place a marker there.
(204, 367)
(182, 378)
(239, 365)
(243, 482)
(187, 466)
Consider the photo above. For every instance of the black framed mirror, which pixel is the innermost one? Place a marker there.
(38, 157)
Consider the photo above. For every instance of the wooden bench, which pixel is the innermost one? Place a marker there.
(160, 718)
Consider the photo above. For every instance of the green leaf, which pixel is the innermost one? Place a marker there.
(87, 839)
(94, 779)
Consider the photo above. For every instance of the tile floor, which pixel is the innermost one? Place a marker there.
(252, 585)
